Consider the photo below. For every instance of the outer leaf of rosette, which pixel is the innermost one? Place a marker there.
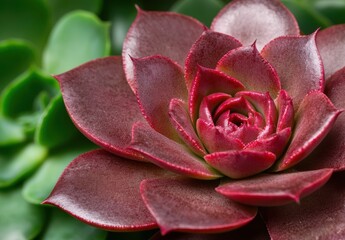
(121, 14)
(27, 94)
(308, 18)
(77, 38)
(203, 10)
(55, 126)
(58, 8)
(10, 132)
(24, 19)
(19, 219)
(17, 162)
(38, 187)
(63, 226)
(15, 57)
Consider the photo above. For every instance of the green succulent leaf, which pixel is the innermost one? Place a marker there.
(203, 10)
(55, 127)
(63, 226)
(16, 56)
(332, 9)
(25, 19)
(38, 187)
(19, 220)
(15, 165)
(308, 18)
(58, 8)
(10, 132)
(24, 95)
(77, 38)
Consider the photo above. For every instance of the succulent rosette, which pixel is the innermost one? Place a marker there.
(201, 126)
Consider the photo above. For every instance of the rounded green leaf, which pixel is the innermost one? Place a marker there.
(55, 126)
(10, 132)
(203, 10)
(63, 226)
(23, 95)
(60, 7)
(15, 166)
(25, 19)
(38, 187)
(15, 57)
(19, 220)
(77, 38)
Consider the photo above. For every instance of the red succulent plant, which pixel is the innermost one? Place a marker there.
(199, 127)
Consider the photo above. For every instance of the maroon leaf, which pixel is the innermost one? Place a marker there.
(314, 119)
(94, 96)
(258, 20)
(240, 164)
(207, 51)
(298, 64)
(331, 44)
(319, 216)
(180, 119)
(209, 104)
(330, 152)
(158, 80)
(192, 205)
(285, 111)
(152, 33)
(251, 69)
(275, 189)
(102, 189)
(168, 154)
(208, 81)
(255, 230)
(215, 138)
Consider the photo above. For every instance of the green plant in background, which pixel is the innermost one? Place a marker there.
(37, 139)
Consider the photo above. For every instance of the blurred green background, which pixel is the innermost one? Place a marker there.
(39, 38)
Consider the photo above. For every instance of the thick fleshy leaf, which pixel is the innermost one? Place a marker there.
(22, 19)
(152, 33)
(274, 143)
(115, 202)
(77, 38)
(168, 154)
(319, 216)
(39, 186)
(314, 119)
(15, 57)
(330, 152)
(331, 44)
(258, 20)
(275, 189)
(206, 82)
(63, 226)
(28, 87)
(251, 69)
(180, 119)
(18, 163)
(255, 230)
(19, 219)
(285, 111)
(216, 138)
(298, 64)
(11, 132)
(209, 104)
(47, 133)
(106, 113)
(206, 52)
(192, 205)
(158, 80)
(240, 164)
